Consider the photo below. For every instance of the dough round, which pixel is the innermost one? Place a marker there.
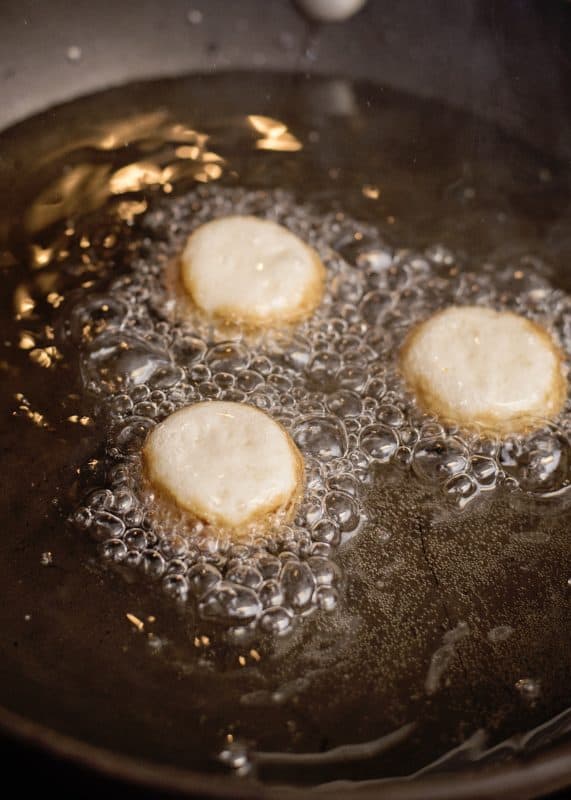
(475, 365)
(229, 464)
(245, 269)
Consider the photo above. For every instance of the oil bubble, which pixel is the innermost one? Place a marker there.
(342, 510)
(230, 603)
(327, 598)
(276, 621)
(378, 443)
(227, 357)
(93, 316)
(105, 526)
(118, 362)
(176, 586)
(331, 381)
(245, 574)
(324, 571)
(322, 437)
(188, 349)
(202, 578)
(298, 584)
(113, 550)
(327, 532)
(437, 459)
(271, 593)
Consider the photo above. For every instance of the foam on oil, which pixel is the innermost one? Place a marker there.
(454, 586)
(332, 381)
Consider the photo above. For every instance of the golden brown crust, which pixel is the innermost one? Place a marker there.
(283, 506)
(550, 406)
(310, 301)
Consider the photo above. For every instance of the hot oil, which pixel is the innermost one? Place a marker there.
(331, 382)
(420, 594)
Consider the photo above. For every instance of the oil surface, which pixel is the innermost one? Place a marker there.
(427, 567)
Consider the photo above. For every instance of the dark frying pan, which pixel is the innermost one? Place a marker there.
(508, 64)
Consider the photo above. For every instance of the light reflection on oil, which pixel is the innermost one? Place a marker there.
(275, 134)
(55, 299)
(80, 420)
(136, 622)
(45, 357)
(188, 151)
(24, 408)
(211, 172)
(122, 133)
(92, 171)
(24, 303)
(135, 177)
(116, 135)
(79, 190)
(268, 126)
(27, 341)
(286, 143)
(178, 152)
(41, 256)
(129, 209)
(371, 192)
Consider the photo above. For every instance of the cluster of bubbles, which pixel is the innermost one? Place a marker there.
(332, 381)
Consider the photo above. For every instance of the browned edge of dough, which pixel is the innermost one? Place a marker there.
(283, 507)
(310, 301)
(489, 423)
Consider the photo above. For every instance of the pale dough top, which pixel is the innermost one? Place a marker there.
(251, 270)
(227, 463)
(474, 364)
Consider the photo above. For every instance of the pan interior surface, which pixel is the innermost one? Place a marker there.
(448, 643)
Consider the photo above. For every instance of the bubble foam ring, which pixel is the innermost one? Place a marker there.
(331, 380)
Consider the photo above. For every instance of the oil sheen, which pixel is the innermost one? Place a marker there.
(427, 566)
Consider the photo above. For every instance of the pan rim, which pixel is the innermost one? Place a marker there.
(520, 777)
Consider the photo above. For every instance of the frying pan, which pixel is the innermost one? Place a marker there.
(508, 64)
